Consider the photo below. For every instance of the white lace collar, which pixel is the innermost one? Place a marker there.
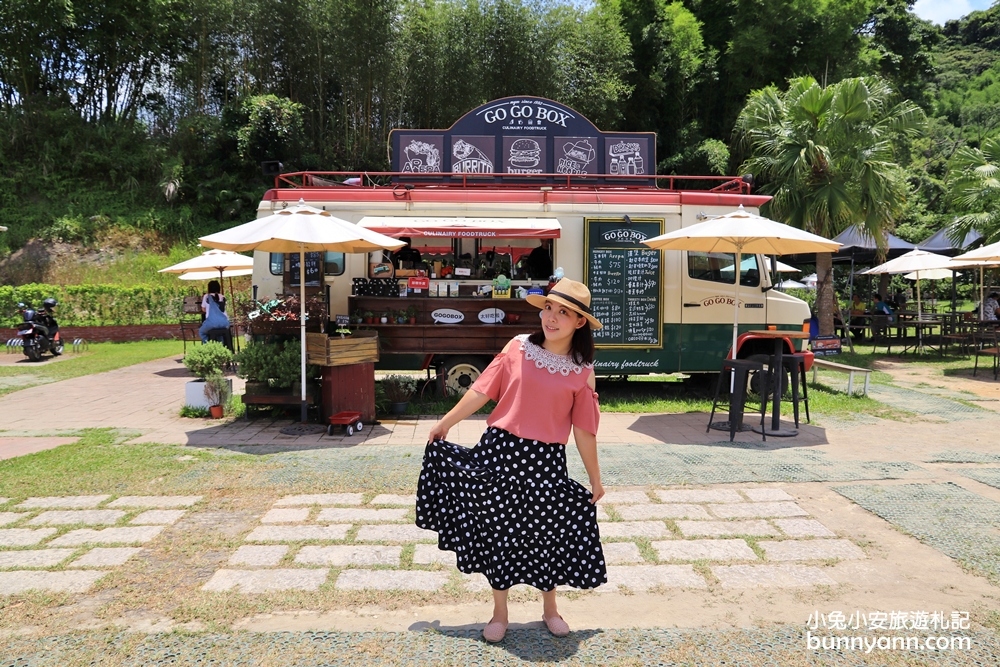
(553, 363)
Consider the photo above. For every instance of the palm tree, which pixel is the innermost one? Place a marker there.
(826, 155)
(974, 187)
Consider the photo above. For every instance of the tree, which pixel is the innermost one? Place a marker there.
(974, 188)
(826, 154)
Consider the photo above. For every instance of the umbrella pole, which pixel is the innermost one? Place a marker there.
(920, 330)
(981, 293)
(736, 317)
(302, 328)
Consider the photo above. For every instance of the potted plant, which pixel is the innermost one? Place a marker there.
(204, 361)
(411, 314)
(384, 319)
(401, 317)
(217, 392)
(398, 390)
(343, 331)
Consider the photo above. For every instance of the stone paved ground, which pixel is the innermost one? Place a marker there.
(717, 551)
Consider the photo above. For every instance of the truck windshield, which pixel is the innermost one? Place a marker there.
(718, 267)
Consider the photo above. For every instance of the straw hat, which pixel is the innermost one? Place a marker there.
(571, 294)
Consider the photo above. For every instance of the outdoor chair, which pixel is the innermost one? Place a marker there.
(986, 345)
(881, 336)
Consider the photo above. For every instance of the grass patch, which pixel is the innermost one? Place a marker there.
(100, 357)
(194, 412)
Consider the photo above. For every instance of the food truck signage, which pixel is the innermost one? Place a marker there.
(524, 135)
(491, 316)
(447, 316)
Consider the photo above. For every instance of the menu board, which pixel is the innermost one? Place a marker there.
(314, 268)
(625, 280)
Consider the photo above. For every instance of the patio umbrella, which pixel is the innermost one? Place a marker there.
(742, 232)
(791, 284)
(931, 274)
(300, 229)
(210, 262)
(985, 257)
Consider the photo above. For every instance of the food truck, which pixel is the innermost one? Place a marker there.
(477, 199)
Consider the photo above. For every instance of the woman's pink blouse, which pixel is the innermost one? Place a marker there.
(535, 404)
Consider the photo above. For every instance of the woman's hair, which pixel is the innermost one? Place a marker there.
(581, 348)
(213, 286)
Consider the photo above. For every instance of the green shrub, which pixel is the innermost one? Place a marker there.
(193, 412)
(278, 364)
(398, 388)
(208, 359)
(98, 305)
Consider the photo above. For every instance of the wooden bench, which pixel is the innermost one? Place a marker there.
(255, 400)
(842, 368)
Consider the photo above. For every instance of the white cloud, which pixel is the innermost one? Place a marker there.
(940, 11)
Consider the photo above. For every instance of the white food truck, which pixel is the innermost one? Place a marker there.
(478, 200)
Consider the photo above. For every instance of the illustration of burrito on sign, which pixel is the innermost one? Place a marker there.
(422, 158)
(467, 159)
(626, 158)
(577, 155)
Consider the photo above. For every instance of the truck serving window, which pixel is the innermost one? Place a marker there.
(277, 263)
(333, 263)
(718, 267)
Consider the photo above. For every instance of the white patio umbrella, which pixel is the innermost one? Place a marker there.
(209, 275)
(210, 262)
(300, 229)
(791, 284)
(931, 274)
(986, 257)
(742, 232)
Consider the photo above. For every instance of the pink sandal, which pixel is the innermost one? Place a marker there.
(557, 626)
(494, 631)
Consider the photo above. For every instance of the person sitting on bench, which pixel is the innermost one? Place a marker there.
(215, 316)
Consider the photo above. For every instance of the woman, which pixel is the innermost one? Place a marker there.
(507, 507)
(213, 306)
(991, 306)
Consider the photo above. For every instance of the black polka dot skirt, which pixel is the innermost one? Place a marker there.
(509, 510)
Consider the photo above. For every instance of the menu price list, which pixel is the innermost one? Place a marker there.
(625, 287)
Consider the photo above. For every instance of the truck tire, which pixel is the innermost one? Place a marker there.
(461, 372)
(754, 385)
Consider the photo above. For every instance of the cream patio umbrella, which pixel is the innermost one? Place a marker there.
(300, 229)
(210, 262)
(986, 257)
(742, 232)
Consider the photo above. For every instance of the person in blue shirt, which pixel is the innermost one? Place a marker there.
(882, 307)
(215, 316)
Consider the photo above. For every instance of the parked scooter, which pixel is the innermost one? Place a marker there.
(39, 331)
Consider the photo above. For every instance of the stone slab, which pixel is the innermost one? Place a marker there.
(264, 581)
(811, 550)
(33, 558)
(602, 514)
(699, 496)
(391, 533)
(128, 535)
(7, 518)
(704, 550)
(297, 533)
(394, 499)
(155, 502)
(105, 557)
(349, 554)
(20, 581)
(320, 499)
(252, 555)
(628, 497)
(766, 495)
(770, 576)
(617, 553)
(23, 537)
(757, 510)
(663, 511)
(391, 580)
(63, 502)
(639, 578)
(286, 515)
(429, 554)
(342, 514)
(72, 517)
(634, 529)
(803, 528)
(717, 528)
(4, 501)
(158, 517)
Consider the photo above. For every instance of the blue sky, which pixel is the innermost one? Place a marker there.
(939, 11)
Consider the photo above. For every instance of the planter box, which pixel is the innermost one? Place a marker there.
(359, 348)
(194, 393)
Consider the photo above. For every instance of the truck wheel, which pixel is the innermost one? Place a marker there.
(754, 385)
(461, 372)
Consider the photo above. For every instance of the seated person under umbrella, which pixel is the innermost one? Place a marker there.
(407, 254)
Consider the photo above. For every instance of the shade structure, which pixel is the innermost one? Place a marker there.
(742, 232)
(459, 227)
(300, 229)
(918, 262)
(985, 257)
(940, 242)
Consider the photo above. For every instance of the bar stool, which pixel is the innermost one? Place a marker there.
(741, 369)
(796, 365)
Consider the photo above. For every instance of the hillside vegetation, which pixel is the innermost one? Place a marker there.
(130, 127)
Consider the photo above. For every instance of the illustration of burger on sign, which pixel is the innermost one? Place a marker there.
(523, 155)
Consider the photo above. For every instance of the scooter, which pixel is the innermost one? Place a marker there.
(34, 331)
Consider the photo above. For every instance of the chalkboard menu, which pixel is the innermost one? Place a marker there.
(625, 279)
(314, 268)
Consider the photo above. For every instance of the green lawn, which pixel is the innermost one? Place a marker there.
(99, 357)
